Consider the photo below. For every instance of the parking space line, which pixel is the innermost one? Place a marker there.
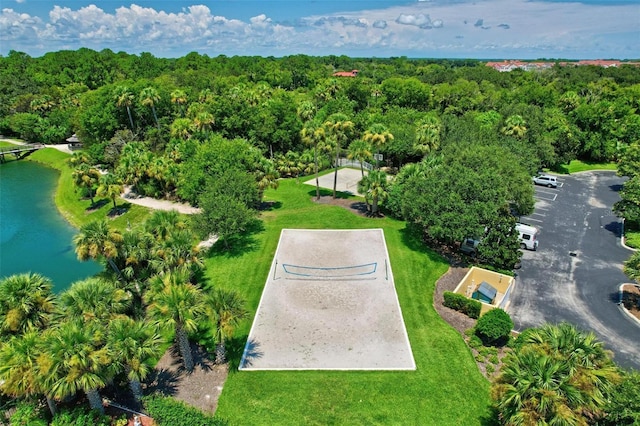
(529, 219)
(553, 198)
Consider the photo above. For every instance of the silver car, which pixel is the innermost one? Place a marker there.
(546, 180)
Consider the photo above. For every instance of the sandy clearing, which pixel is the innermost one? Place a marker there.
(333, 320)
(347, 181)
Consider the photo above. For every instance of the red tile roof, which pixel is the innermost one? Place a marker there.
(352, 73)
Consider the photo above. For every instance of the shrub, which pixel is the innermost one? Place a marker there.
(168, 411)
(80, 417)
(463, 304)
(28, 414)
(494, 327)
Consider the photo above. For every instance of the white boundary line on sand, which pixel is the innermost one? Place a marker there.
(397, 353)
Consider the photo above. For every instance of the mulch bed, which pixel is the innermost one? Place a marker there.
(355, 206)
(631, 299)
(200, 388)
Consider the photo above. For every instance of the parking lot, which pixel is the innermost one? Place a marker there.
(575, 273)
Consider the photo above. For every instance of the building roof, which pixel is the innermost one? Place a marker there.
(73, 139)
(487, 290)
(352, 73)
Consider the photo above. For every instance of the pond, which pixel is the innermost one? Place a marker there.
(34, 237)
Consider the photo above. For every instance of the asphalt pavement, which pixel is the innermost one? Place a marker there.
(575, 274)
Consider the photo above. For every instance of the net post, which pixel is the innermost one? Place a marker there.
(275, 268)
(386, 270)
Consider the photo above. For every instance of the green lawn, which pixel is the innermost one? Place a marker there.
(576, 166)
(76, 209)
(446, 388)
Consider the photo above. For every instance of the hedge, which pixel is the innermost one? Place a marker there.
(463, 304)
(167, 411)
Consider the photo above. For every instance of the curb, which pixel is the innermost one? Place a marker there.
(626, 246)
(622, 308)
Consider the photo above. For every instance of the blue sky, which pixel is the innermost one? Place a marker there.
(509, 29)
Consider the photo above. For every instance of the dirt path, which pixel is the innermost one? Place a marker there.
(156, 204)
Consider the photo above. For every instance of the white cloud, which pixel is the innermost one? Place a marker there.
(458, 28)
(380, 23)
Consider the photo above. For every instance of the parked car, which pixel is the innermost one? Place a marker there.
(546, 180)
(469, 246)
(528, 236)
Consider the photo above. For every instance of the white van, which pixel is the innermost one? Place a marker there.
(528, 236)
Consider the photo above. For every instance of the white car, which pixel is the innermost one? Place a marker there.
(546, 180)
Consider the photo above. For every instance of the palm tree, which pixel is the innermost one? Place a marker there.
(124, 98)
(86, 177)
(306, 111)
(428, 135)
(19, 370)
(133, 345)
(226, 309)
(340, 128)
(94, 299)
(111, 187)
(26, 303)
(163, 222)
(178, 249)
(179, 97)
(267, 176)
(78, 158)
(515, 126)
(96, 240)
(181, 128)
(205, 96)
(149, 97)
(377, 135)
(360, 150)
(314, 135)
(134, 255)
(77, 359)
(533, 390)
(374, 188)
(203, 122)
(559, 375)
(175, 302)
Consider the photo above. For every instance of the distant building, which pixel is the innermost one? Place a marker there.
(506, 66)
(352, 73)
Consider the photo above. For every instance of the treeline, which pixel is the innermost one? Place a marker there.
(566, 112)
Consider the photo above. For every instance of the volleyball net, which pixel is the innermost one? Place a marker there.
(351, 272)
(366, 271)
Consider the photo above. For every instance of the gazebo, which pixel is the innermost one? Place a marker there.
(74, 142)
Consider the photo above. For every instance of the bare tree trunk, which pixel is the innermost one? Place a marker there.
(155, 116)
(52, 406)
(185, 348)
(95, 401)
(136, 389)
(130, 118)
(221, 353)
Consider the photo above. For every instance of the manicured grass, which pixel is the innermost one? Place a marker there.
(76, 209)
(632, 238)
(576, 166)
(446, 388)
